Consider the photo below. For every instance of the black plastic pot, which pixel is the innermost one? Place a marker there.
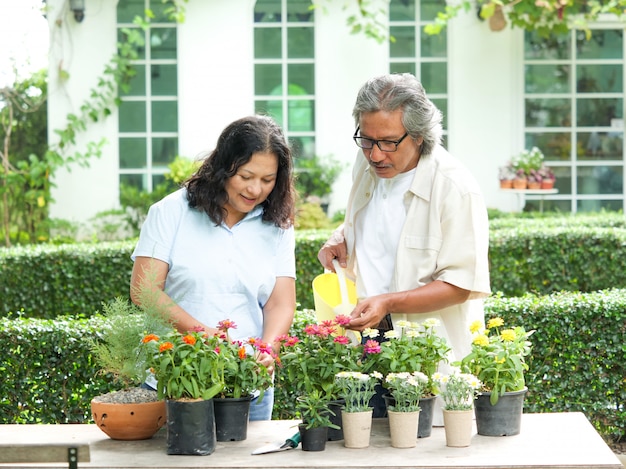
(313, 439)
(190, 427)
(502, 419)
(231, 418)
(335, 434)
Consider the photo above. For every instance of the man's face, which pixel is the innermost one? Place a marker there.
(383, 125)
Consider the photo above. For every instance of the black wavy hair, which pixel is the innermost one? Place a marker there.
(235, 146)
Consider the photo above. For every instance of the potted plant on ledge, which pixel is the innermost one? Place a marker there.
(497, 359)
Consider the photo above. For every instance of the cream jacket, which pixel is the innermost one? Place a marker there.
(445, 237)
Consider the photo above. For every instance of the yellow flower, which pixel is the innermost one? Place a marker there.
(499, 360)
(481, 340)
(476, 326)
(495, 322)
(508, 335)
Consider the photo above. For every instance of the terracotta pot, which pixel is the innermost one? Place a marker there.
(506, 183)
(129, 421)
(547, 184)
(534, 185)
(519, 183)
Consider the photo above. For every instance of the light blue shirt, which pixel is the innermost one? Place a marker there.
(216, 272)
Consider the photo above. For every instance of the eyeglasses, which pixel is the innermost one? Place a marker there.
(383, 145)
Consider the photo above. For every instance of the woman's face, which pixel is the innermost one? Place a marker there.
(250, 186)
(384, 125)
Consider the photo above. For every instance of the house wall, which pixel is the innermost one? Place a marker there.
(216, 86)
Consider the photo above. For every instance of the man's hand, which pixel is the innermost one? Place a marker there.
(334, 248)
(368, 313)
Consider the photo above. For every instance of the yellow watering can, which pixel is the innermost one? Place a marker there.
(334, 294)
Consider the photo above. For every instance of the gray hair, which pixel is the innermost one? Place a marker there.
(420, 117)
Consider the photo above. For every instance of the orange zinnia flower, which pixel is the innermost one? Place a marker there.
(166, 346)
(150, 337)
(189, 339)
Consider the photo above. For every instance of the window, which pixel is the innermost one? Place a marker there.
(416, 52)
(148, 113)
(284, 69)
(574, 112)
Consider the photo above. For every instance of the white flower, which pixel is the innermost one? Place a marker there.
(371, 333)
(431, 322)
(403, 324)
(392, 334)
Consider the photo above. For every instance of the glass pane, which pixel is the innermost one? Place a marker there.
(271, 108)
(604, 44)
(165, 116)
(547, 78)
(400, 67)
(300, 43)
(267, 11)
(157, 179)
(137, 84)
(434, 77)
(162, 11)
(164, 151)
(600, 145)
(302, 147)
(599, 78)
(548, 113)
(600, 179)
(434, 46)
(267, 43)
(163, 43)
(442, 105)
(598, 205)
(134, 180)
(128, 9)
(402, 10)
(299, 11)
(164, 80)
(132, 116)
(550, 48)
(556, 146)
(430, 8)
(301, 116)
(122, 38)
(133, 153)
(598, 111)
(405, 41)
(267, 78)
(301, 79)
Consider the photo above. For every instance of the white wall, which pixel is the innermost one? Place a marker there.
(485, 107)
(343, 62)
(82, 50)
(215, 75)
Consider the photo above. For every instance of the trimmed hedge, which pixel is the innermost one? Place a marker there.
(578, 361)
(527, 255)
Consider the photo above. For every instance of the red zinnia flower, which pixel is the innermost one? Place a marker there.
(226, 324)
(371, 346)
(342, 339)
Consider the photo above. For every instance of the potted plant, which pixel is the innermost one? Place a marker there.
(315, 414)
(497, 359)
(243, 376)
(408, 348)
(357, 389)
(406, 389)
(506, 175)
(547, 177)
(311, 363)
(458, 391)
(129, 412)
(189, 371)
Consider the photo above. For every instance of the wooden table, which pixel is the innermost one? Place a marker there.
(559, 440)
